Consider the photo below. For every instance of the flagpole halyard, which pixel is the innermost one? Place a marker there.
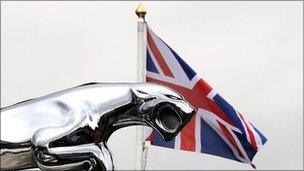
(141, 77)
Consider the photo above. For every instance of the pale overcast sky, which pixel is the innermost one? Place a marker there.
(251, 52)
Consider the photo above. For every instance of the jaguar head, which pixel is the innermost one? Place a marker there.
(163, 109)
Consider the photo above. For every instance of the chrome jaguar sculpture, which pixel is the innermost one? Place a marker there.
(69, 129)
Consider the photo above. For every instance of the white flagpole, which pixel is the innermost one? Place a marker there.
(141, 77)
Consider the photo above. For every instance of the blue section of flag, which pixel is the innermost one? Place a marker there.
(150, 64)
(187, 69)
(263, 138)
(230, 111)
(246, 145)
(212, 143)
(159, 141)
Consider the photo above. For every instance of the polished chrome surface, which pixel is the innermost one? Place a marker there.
(69, 129)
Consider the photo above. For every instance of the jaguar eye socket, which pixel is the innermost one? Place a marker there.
(173, 97)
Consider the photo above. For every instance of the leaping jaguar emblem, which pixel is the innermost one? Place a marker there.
(69, 129)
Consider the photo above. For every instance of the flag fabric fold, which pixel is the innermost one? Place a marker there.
(217, 127)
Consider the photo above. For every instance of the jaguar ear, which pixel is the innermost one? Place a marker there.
(140, 94)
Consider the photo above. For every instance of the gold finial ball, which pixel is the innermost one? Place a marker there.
(141, 11)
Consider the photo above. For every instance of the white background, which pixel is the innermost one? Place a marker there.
(251, 52)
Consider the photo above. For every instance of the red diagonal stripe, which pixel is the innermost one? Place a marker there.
(188, 136)
(151, 136)
(158, 56)
(251, 136)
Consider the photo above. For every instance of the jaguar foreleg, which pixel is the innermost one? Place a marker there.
(91, 157)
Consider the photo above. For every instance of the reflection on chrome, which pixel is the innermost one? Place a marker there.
(69, 129)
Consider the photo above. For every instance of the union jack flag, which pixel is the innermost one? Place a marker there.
(217, 127)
